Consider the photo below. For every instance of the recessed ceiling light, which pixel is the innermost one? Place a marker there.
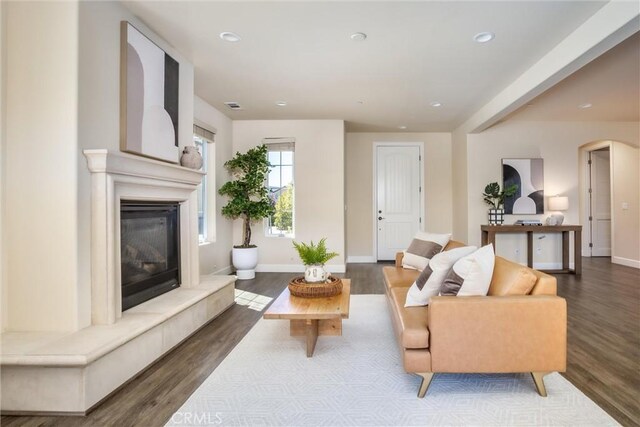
(484, 37)
(402, 127)
(436, 104)
(230, 37)
(585, 105)
(358, 37)
(281, 104)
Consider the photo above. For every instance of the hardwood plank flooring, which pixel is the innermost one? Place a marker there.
(603, 348)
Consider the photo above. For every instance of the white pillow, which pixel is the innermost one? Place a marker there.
(470, 275)
(422, 248)
(428, 283)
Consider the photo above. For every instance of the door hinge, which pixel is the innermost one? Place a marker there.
(590, 245)
(590, 191)
(420, 220)
(589, 161)
(590, 218)
(419, 189)
(419, 157)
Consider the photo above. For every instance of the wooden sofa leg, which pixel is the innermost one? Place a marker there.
(539, 382)
(424, 385)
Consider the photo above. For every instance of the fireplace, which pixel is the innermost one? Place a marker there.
(149, 250)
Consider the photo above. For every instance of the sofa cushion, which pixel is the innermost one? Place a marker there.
(395, 277)
(511, 280)
(422, 248)
(470, 275)
(412, 320)
(430, 280)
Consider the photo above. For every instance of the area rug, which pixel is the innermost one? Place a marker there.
(358, 380)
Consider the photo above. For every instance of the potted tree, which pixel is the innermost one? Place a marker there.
(249, 200)
(495, 198)
(314, 257)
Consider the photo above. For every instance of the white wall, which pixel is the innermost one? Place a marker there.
(437, 186)
(4, 308)
(41, 165)
(558, 144)
(319, 188)
(459, 183)
(215, 254)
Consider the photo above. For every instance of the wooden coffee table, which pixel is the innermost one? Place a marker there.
(311, 317)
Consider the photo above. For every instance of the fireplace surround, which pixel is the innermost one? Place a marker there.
(71, 372)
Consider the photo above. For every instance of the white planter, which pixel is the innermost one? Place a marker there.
(315, 273)
(245, 261)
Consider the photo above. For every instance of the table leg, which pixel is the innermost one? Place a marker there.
(312, 335)
(530, 249)
(485, 237)
(577, 251)
(565, 250)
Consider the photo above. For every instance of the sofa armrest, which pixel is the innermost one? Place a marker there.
(498, 334)
(399, 257)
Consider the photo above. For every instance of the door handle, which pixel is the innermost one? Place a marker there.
(380, 218)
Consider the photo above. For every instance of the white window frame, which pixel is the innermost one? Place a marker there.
(280, 145)
(207, 137)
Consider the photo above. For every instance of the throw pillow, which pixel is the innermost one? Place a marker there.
(470, 275)
(511, 280)
(422, 248)
(429, 281)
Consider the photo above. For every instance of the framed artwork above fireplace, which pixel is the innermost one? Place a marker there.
(149, 93)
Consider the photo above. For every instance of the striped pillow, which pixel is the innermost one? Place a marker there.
(423, 247)
(470, 275)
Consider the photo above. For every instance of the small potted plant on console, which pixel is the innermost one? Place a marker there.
(495, 198)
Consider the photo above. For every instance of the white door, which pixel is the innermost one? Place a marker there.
(398, 194)
(600, 203)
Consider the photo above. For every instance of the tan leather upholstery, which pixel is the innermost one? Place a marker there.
(526, 333)
(511, 280)
(498, 334)
(411, 321)
(399, 277)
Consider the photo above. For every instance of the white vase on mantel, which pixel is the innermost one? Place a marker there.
(315, 273)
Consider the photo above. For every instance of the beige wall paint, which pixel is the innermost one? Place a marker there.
(41, 165)
(4, 307)
(558, 144)
(359, 185)
(459, 183)
(215, 255)
(625, 165)
(319, 188)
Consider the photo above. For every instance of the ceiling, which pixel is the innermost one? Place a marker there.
(415, 53)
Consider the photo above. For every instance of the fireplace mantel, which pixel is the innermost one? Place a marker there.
(119, 176)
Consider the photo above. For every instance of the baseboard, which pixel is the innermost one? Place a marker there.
(223, 271)
(361, 259)
(295, 268)
(550, 265)
(625, 261)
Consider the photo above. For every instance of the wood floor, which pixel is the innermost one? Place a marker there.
(603, 348)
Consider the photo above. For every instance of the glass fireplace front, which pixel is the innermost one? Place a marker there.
(149, 250)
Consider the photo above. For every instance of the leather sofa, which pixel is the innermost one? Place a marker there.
(480, 334)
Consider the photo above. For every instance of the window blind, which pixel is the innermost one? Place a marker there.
(280, 144)
(204, 133)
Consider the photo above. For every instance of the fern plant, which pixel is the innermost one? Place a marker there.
(312, 254)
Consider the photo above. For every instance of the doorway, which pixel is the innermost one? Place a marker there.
(398, 201)
(599, 202)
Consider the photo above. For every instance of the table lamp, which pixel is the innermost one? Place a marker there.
(557, 204)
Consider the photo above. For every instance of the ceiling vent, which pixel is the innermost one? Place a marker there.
(233, 105)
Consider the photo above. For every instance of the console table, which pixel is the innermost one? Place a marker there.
(489, 236)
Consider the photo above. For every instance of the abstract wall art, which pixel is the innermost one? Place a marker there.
(528, 175)
(148, 97)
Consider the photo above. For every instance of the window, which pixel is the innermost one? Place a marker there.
(280, 185)
(201, 139)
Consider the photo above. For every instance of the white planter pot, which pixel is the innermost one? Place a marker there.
(245, 261)
(315, 273)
